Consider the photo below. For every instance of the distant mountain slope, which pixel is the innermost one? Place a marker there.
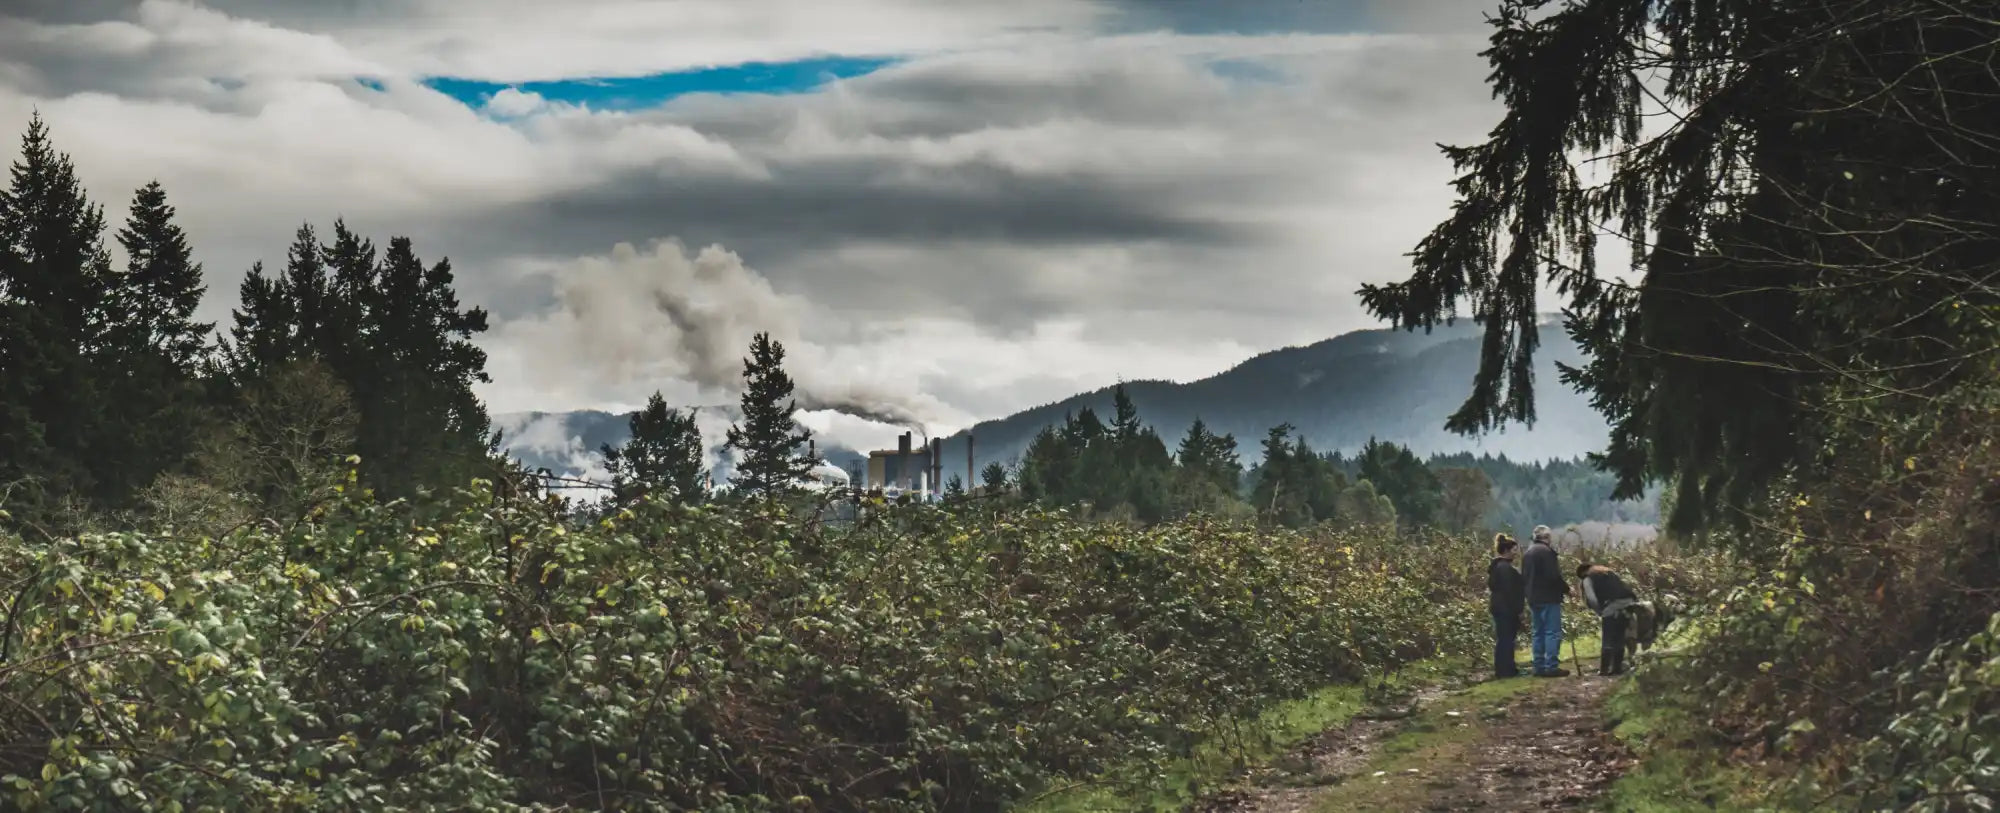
(1394, 385)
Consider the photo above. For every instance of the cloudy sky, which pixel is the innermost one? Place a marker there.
(959, 207)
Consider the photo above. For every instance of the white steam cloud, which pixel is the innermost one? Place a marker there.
(662, 318)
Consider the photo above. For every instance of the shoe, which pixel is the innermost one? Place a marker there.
(1556, 672)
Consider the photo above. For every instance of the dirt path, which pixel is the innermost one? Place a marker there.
(1516, 745)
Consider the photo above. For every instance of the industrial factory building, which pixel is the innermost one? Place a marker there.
(921, 471)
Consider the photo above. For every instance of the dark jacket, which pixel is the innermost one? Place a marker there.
(1602, 589)
(1505, 589)
(1544, 576)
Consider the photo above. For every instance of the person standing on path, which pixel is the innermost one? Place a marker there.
(1546, 589)
(1506, 595)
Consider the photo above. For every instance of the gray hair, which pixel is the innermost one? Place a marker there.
(1543, 534)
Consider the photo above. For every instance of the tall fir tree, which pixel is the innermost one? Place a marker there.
(1812, 230)
(1405, 480)
(1209, 457)
(260, 341)
(769, 458)
(1275, 496)
(157, 296)
(412, 374)
(393, 333)
(155, 347)
(663, 457)
(55, 277)
(1296, 486)
(353, 274)
(1046, 465)
(306, 285)
(993, 478)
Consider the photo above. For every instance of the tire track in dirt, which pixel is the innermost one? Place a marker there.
(1518, 745)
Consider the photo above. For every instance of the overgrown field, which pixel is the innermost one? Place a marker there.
(485, 653)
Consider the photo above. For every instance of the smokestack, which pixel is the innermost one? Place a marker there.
(937, 466)
(969, 481)
(903, 461)
(812, 449)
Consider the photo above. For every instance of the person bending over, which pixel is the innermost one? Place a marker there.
(1606, 594)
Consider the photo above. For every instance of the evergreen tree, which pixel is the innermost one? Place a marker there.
(421, 422)
(954, 488)
(55, 278)
(310, 293)
(154, 352)
(1817, 227)
(1277, 496)
(1210, 457)
(1405, 480)
(663, 456)
(1123, 469)
(1125, 424)
(393, 332)
(157, 296)
(993, 478)
(353, 277)
(1047, 464)
(1207, 473)
(769, 458)
(260, 341)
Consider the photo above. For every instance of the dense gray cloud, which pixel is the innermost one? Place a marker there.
(1031, 202)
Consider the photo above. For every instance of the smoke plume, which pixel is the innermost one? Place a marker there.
(661, 319)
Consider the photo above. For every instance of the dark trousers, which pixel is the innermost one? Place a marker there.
(1612, 660)
(1506, 629)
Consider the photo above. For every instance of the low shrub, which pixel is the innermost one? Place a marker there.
(484, 652)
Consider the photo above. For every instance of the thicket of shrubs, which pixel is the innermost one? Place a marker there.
(484, 652)
(1859, 643)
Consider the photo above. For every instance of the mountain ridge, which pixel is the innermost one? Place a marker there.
(1383, 383)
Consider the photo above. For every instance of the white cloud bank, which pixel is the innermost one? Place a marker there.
(1023, 208)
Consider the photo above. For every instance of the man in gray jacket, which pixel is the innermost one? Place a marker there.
(1546, 588)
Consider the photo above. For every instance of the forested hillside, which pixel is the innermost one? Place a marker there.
(1337, 396)
(1395, 386)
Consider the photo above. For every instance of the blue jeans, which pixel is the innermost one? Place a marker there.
(1506, 627)
(1547, 641)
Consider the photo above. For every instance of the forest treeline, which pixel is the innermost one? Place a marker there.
(115, 400)
(1124, 470)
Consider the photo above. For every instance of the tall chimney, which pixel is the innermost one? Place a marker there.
(937, 466)
(903, 472)
(969, 479)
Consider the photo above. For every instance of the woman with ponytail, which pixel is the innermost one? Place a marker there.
(1506, 599)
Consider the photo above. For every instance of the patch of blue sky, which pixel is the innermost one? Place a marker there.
(1248, 71)
(640, 92)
